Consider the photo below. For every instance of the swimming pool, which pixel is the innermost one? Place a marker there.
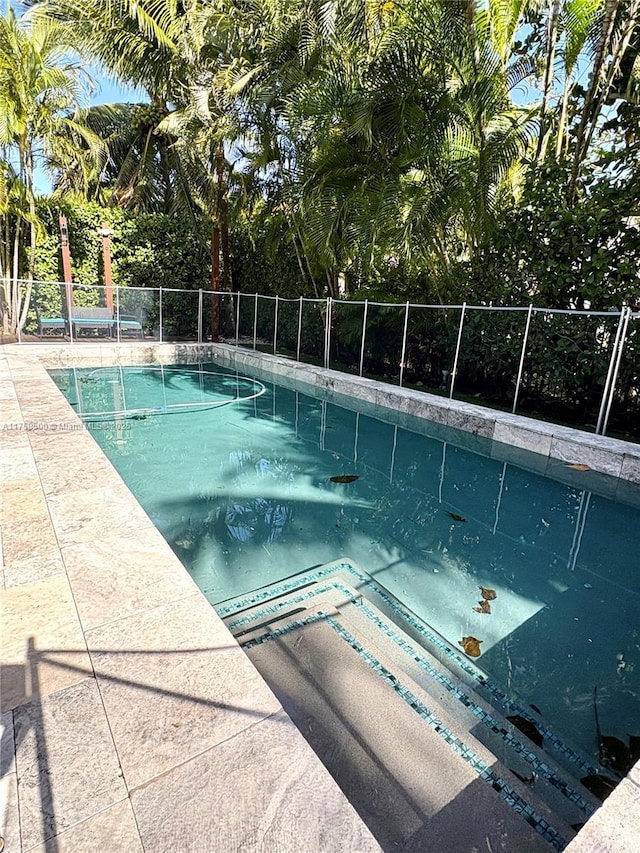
(237, 476)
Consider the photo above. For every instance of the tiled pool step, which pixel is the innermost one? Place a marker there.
(453, 660)
(276, 623)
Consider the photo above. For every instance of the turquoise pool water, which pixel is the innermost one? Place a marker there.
(242, 492)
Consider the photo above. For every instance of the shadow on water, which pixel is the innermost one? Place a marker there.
(244, 498)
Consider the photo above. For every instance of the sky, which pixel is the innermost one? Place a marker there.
(107, 91)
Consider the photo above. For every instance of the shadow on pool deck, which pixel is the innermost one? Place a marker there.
(22, 682)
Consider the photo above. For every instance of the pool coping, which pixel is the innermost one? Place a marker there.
(510, 433)
(41, 465)
(125, 698)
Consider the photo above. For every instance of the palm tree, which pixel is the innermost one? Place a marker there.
(396, 127)
(40, 91)
(159, 46)
(619, 22)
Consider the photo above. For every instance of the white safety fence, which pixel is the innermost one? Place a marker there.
(568, 365)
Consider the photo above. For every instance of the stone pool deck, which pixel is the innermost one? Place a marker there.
(131, 720)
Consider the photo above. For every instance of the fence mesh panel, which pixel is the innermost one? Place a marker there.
(565, 367)
(431, 345)
(265, 325)
(47, 314)
(624, 416)
(139, 304)
(383, 342)
(490, 350)
(346, 336)
(180, 315)
(287, 341)
(245, 316)
(91, 312)
(218, 316)
(313, 328)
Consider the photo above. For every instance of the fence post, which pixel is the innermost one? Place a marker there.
(523, 351)
(255, 322)
(299, 331)
(607, 382)
(161, 335)
(364, 334)
(455, 358)
(404, 343)
(68, 292)
(237, 317)
(118, 313)
(327, 333)
(614, 378)
(18, 312)
(275, 326)
(200, 315)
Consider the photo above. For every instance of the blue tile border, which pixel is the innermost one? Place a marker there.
(539, 766)
(505, 791)
(584, 767)
(246, 620)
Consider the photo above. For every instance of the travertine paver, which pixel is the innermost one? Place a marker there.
(119, 576)
(615, 826)
(31, 551)
(111, 831)
(66, 764)
(19, 463)
(43, 614)
(9, 816)
(22, 497)
(85, 515)
(9, 822)
(262, 790)
(59, 478)
(169, 695)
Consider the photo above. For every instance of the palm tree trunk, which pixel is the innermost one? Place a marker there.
(13, 308)
(606, 31)
(618, 53)
(552, 39)
(568, 86)
(223, 218)
(215, 284)
(5, 274)
(316, 292)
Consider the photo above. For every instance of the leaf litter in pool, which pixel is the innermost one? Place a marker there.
(471, 645)
(456, 517)
(487, 593)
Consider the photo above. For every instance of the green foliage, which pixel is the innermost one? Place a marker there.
(263, 258)
(148, 250)
(557, 256)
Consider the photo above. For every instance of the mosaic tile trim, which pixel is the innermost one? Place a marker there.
(266, 611)
(585, 768)
(295, 625)
(530, 757)
(550, 737)
(506, 792)
(273, 591)
(539, 766)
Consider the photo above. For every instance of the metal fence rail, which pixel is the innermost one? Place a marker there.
(577, 367)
